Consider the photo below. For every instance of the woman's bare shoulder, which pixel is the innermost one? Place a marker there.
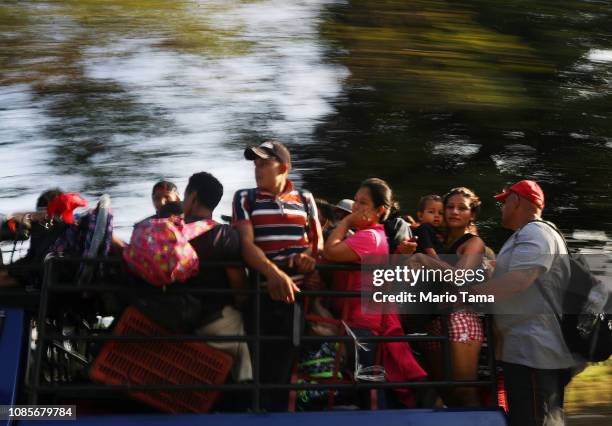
(474, 245)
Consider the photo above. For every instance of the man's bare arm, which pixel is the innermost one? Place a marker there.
(508, 284)
(254, 256)
(336, 249)
(280, 285)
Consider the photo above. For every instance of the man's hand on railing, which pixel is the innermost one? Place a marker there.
(302, 262)
(281, 287)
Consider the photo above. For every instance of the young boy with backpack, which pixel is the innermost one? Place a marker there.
(165, 251)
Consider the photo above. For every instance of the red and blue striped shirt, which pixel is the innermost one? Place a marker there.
(282, 224)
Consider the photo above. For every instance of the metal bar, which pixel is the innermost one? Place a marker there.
(12, 267)
(227, 338)
(42, 328)
(74, 355)
(256, 387)
(169, 338)
(257, 348)
(364, 339)
(214, 263)
(210, 263)
(102, 288)
(55, 389)
(448, 368)
(296, 336)
(118, 260)
(491, 357)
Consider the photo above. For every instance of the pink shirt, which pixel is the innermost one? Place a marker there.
(369, 241)
(397, 358)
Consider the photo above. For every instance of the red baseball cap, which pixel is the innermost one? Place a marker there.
(527, 189)
(64, 204)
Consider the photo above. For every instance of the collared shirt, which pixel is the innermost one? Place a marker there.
(528, 327)
(281, 223)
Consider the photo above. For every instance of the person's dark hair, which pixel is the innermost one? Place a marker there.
(473, 199)
(326, 209)
(427, 198)
(45, 198)
(208, 189)
(164, 185)
(169, 209)
(381, 196)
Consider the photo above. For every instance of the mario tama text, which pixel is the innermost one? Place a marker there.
(430, 284)
(422, 288)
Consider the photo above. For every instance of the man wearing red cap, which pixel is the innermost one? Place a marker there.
(63, 205)
(537, 363)
(43, 233)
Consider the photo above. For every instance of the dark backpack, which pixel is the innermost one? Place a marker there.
(586, 333)
(252, 193)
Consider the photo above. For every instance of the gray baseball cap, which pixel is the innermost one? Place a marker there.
(346, 205)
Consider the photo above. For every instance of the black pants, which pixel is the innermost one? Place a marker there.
(276, 358)
(535, 396)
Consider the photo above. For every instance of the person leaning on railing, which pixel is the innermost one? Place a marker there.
(373, 201)
(463, 250)
(5, 234)
(53, 211)
(531, 277)
(276, 222)
(219, 314)
(17, 227)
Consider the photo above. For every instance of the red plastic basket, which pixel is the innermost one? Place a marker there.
(154, 363)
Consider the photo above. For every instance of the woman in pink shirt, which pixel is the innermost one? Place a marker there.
(373, 202)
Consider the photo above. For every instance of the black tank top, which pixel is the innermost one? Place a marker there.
(451, 252)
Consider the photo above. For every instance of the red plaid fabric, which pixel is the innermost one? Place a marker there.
(463, 326)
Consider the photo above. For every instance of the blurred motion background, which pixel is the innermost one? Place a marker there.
(108, 97)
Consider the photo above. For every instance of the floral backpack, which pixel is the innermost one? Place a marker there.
(159, 250)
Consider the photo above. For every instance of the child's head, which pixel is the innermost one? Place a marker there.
(431, 210)
(164, 192)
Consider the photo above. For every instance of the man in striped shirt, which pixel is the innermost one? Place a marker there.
(276, 222)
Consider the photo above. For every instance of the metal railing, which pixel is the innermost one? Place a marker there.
(35, 386)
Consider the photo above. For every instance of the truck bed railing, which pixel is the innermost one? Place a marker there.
(35, 387)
